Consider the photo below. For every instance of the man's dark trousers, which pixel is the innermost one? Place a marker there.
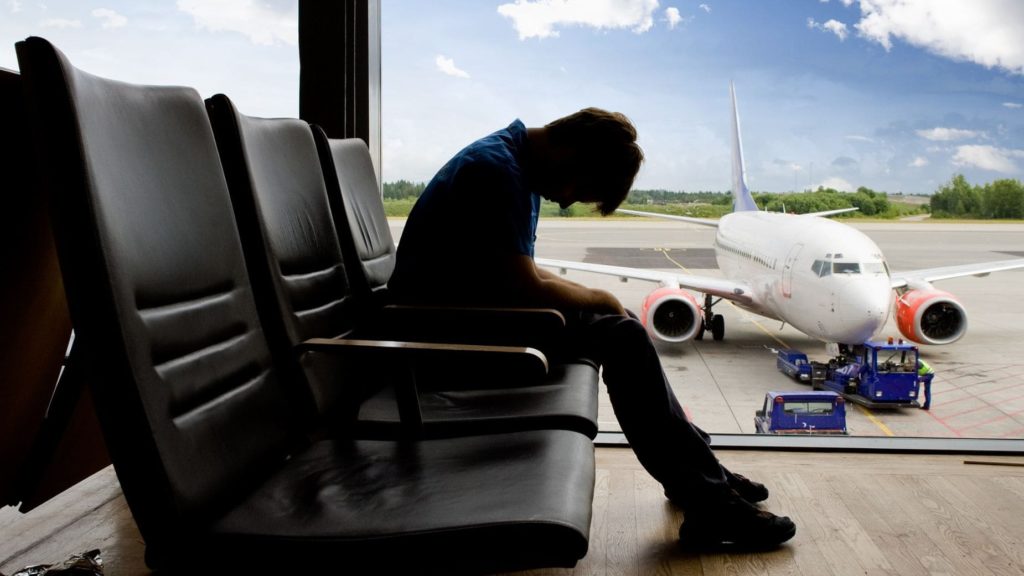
(672, 449)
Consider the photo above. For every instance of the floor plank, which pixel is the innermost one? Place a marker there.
(855, 514)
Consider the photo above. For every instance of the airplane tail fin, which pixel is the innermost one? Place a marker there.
(742, 200)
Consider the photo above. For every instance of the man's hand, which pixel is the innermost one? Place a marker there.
(541, 287)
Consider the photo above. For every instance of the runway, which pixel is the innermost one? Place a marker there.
(978, 391)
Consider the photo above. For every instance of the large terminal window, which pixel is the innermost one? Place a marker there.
(248, 51)
(814, 115)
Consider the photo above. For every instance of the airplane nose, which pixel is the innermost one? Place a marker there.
(864, 307)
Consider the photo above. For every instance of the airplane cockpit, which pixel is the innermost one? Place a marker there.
(835, 264)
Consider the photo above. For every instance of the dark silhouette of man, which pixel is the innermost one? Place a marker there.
(469, 240)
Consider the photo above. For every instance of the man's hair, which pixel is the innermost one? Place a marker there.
(606, 155)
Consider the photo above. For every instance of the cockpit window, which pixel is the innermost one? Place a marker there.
(873, 267)
(846, 268)
(821, 268)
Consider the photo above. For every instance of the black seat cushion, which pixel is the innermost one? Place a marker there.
(474, 504)
(560, 402)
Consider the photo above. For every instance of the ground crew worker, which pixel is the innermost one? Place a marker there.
(924, 376)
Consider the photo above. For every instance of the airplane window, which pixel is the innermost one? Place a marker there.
(873, 267)
(821, 268)
(846, 268)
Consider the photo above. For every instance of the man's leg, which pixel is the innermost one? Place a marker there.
(674, 450)
(750, 490)
(668, 445)
(671, 448)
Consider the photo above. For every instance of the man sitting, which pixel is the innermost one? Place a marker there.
(469, 240)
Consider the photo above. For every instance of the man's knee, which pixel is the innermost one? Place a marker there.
(624, 333)
(604, 337)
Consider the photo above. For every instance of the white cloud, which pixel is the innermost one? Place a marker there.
(1013, 105)
(672, 14)
(858, 138)
(540, 18)
(847, 3)
(111, 19)
(837, 184)
(61, 23)
(947, 134)
(15, 5)
(447, 65)
(987, 158)
(834, 26)
(918, 162)
(705, 8)
(986, 32)
(255, 20)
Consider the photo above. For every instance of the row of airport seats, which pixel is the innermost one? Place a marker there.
(226, 277)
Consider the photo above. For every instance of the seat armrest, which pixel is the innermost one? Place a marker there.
(527, 358)
(540, 328)
(403, 358)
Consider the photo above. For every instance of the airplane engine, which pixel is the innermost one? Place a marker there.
(930, 316)
(671, 314)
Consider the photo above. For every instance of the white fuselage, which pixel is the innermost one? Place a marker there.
(824, 278)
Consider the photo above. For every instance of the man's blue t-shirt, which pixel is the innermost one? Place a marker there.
(476, 209)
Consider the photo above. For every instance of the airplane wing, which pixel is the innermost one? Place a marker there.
(909, 278)
(689, 219)
(720, 287)
(714, 223)
(832, 212)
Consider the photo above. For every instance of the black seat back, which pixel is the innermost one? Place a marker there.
(358, 210)
(291, 245)
(190, 406)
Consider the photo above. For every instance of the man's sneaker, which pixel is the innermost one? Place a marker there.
(733, 522)
(749, 490)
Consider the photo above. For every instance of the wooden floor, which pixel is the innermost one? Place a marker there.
(855, 514)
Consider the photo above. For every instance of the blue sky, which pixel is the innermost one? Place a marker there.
(896, 95)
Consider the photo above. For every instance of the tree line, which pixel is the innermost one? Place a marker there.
(955, 199)
(959, 199)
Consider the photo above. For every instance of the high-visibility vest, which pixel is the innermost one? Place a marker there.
(923, 368)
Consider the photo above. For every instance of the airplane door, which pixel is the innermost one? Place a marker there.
(787, 271)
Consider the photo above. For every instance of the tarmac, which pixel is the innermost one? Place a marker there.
(978, 390)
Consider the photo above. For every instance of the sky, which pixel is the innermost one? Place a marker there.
(894, 95)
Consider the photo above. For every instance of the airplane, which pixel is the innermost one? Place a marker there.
(824, 278)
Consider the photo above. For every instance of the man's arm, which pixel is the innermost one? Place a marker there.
(539, 287)
(546, 274)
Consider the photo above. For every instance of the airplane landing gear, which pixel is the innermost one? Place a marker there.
(717, 327)
(713, 322)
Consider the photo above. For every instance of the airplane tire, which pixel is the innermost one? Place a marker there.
(700, 331)
(718, 327)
